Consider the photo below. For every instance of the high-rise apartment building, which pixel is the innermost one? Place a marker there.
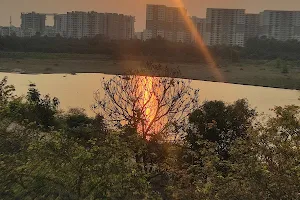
(33, 22)
(167, 22)
(93, 24)
(280, 25)
(75, 21)
(61, 24)
(225, 27)
(251, 26)
(145, 35)
(89, 24)
(118, 26)
(200, 25)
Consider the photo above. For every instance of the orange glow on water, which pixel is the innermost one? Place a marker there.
(147, 98)
(199, 42)
(148, 101)
(148, 106)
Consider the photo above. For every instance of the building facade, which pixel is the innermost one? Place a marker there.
(167, 22)
(251, 26)
(4, 31)
(200, 25)
(49, 31)
(75, 21)
(33, 22)
(61, 24)
(280, 25)
(118, 26)
(93, 24)
(225, 27)
(89, 24)
(138, 36)
(11, 31)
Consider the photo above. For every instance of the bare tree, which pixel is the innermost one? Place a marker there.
(153, 105)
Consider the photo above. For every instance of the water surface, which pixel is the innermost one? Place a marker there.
(78, 90)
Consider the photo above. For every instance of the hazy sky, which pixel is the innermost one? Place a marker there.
(132, 7)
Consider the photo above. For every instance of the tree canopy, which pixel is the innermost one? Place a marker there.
(154, 49)
(50, 154)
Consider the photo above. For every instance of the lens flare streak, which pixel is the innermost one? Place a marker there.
(199, 42)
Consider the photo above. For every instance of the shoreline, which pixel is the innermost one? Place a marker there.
(243, 73)
(241, 84)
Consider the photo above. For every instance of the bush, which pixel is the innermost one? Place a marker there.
(285, 70)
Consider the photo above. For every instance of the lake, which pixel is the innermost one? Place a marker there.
(78, 90)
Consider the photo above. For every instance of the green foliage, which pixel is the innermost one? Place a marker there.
(6, 91)
(285, 70)
(278, 63)
(41, 110)
(79, 126)
(155, 48)
(267, 164)
(81, 160)
(264, 165)
(219, 123)
(61, 168)
(6, 95)
(255, 48)
(34, 109)
(271, 49)
(223, 156)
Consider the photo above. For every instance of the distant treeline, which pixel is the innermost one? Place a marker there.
(267, 49)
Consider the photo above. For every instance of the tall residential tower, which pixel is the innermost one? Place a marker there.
(225, 27)
(280, 25)
(89, 24)
(33, 22)
(251, 26)
(200, 25)
(167, 22)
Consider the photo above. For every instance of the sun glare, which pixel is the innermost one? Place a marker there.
(199, 42)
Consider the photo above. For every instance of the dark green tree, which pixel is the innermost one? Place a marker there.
(219, 123)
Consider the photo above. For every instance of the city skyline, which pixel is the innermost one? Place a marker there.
(195, 7)
(220, 27)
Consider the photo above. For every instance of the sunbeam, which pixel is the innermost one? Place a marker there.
(199, 42)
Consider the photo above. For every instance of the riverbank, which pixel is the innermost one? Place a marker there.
(246, 72)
